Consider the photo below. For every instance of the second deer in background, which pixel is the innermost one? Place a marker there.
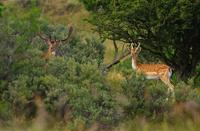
(53, 43)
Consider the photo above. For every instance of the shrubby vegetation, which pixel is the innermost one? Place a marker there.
(145, 99)
(71, 91)
(71, 82)
(150, 106)
(1, 8)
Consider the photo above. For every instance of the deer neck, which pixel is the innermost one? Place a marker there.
(51, 50)
(48, 54)
(134, 63)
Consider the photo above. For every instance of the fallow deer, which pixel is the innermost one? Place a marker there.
(152, 71)
(53, 44)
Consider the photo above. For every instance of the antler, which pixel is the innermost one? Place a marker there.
(42, 37)
(138, 46)
(69, 34)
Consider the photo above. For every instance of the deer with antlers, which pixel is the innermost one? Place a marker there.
(53, 43)
(152, 71)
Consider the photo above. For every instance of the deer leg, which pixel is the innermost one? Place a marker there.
(167, 82)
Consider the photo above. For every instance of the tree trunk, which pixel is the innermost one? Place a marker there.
(116, 50)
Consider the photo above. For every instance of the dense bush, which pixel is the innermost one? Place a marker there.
(70, 83)
(150, 99)
(145, 99)
(89, 50)
(81, 85)
(186, 92)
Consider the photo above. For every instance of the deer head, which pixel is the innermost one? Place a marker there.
(135, 50)
(54, 43)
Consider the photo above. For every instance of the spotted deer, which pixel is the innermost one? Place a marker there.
(53, 44)
(152, 71)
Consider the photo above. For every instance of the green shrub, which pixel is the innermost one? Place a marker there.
(185, 92)
(145, 98)
(88, 93)
(84, 51)
(1, 8)
(4, 111)
(70, 82)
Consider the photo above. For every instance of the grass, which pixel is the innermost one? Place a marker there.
(68, 12)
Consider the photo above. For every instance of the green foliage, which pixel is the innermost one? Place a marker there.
(91, 97)
(1, 9)
(197, 77)
(168, 29)
(4, 110)
(151, 100)
(27, 3)
(83, 51)
(73, 75)
(89, 50)
(88, 94)
(85, 90)
(71, 84)
(94, 5)
(185, 92)
(144, 98)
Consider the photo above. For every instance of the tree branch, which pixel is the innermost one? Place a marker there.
(117, 60)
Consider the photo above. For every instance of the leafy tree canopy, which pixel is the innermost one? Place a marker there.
(168, 29)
